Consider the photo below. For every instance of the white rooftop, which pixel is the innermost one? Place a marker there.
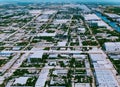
(112, 46)
(82, 85)
(60, 71)
(89, 17)
(35, 11)
(81, 28)
(106, 78)
(49, 12)
(112, 15)
(53, 55)
(47, 34)
(37, 54)
(21, 80)
(85, 8)
(63, 43)
(79, 56)
(104, 75)
(61, 21)
(42, 78)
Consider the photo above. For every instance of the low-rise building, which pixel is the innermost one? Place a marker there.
(21, 80)
(58, 81)
(81, 30)
(43, 76)
(53, 55)
(63, 43)
(82, 85)
(5, 53)
(60, 72)
(46, 34)
(35, 55)
(112, 46)
(105, 76)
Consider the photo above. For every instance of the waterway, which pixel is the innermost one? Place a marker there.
(109, 22)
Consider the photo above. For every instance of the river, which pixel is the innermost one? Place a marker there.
(109, 22)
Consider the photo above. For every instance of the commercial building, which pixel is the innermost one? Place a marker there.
(104, 70)
(42, 78)
(82, 85)
(81, 30)
(5, 53)
(63, 43)
(46, 34)
(112, 46)
(21, 80)
(94, 21)
(36, 55)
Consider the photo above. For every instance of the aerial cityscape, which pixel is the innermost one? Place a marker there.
(59, 44)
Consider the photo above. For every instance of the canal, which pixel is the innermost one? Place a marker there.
(109, 22)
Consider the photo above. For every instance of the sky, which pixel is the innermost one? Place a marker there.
(61, 1)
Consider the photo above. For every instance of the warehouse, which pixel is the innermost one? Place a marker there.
(104, 76)
(42, 78)
(112, 46)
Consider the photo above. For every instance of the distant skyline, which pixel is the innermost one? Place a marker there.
(109, 1)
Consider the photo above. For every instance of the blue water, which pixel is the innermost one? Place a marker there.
(111, 23)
